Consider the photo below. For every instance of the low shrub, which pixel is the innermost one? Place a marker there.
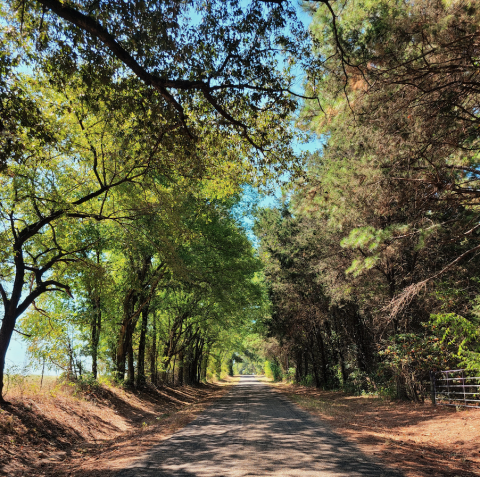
(273, 370)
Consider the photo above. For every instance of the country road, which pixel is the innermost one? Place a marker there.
(254, 431)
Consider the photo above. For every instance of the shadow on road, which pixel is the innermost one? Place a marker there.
(253, 431)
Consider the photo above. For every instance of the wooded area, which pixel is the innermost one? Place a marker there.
(372, 256)
(136, 138)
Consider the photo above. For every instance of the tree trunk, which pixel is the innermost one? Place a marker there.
(6, 331)
(96, 329)
(298, 369)
(135, 299)
(12, 311)
(199, 360)
(141, 378)
(362, 340)
(342, 367)
(131, 366)
(314, 366)
(96, 324)
(153, 352)
(122, 342)
(180, 368)
(321, 346)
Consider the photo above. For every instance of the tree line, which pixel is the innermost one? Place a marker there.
(372, 256)
(128, 133)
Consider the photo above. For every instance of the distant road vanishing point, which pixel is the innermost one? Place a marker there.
(254, 431)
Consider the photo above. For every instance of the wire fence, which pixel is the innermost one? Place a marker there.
(455, 388)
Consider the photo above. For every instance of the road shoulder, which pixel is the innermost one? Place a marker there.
(63, 435)
(418, 439)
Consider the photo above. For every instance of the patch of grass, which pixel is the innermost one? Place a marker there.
(19, 386)
(318, 405)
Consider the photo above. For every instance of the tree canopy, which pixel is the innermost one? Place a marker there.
(145, 116)
(129, 134)
(371, 259)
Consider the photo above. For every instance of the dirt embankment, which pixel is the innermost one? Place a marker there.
(420, 439)
(90, 433)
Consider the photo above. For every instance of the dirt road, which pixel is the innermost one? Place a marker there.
(254, 431)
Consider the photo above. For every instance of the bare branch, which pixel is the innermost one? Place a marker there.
(23, 334)
(398, 304)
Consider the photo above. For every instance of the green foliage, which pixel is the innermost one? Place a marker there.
(53, 337)
(206, 293)
(359, 383)
(289, 376)
(382, 231)
(192, 83)
(273, 370)
(417, 353)
(462, 335)
(306, 380)
(121, 161)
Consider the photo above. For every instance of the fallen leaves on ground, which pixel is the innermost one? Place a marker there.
(420, 439)
(59, 434)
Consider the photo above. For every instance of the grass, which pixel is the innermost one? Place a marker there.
(18, 385)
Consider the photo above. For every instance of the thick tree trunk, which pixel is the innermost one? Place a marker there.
(121, 365)
(6, 331)
(123, 337)
(130, 356)
(173, 370)
(12, 310)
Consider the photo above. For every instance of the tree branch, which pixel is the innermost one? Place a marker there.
(23, 334)
(4, 296)
(90, 25)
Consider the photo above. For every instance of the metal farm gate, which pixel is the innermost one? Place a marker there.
(455, 388)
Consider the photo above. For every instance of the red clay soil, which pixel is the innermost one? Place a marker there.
(420, 439)
(93, 433)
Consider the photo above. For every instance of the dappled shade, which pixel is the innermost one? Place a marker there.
(255, 431)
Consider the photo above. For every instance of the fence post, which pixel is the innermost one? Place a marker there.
(432, 387)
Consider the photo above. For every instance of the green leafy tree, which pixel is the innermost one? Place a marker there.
(98, 99)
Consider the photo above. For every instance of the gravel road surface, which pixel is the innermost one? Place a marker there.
(254, 431)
